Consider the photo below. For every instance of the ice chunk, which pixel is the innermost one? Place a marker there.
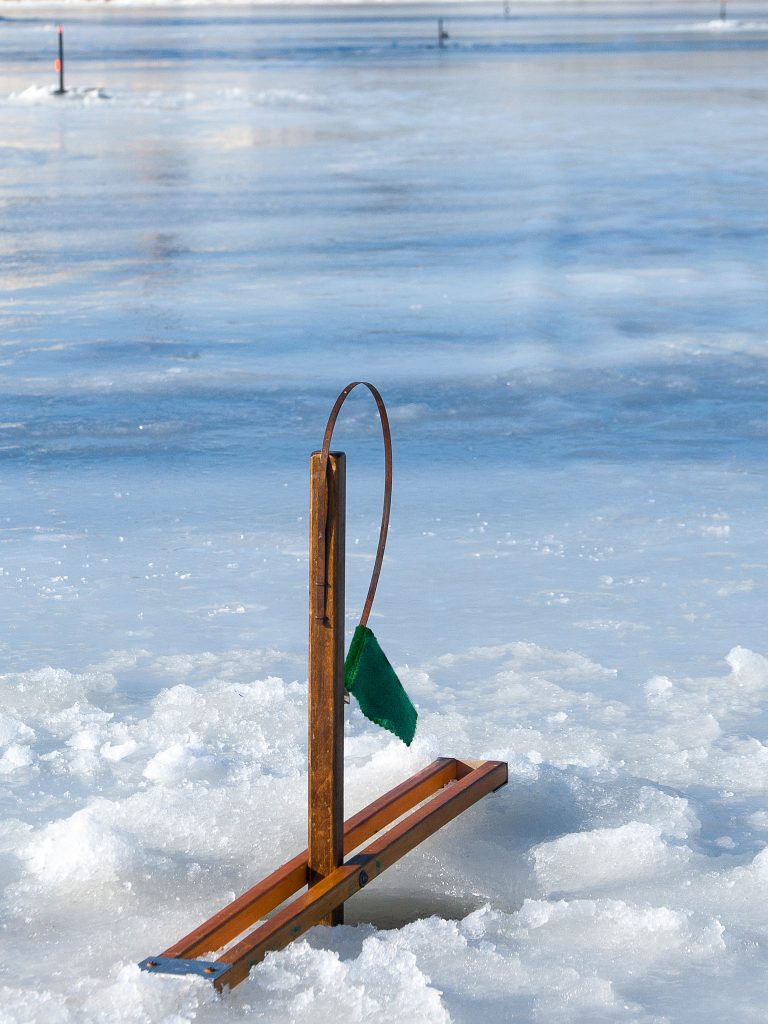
(80, 850)
(15, 756)
(179, 762)
(604, 858)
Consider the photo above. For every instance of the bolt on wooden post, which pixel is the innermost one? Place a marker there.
(327, 522)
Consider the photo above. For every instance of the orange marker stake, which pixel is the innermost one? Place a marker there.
(58, 64)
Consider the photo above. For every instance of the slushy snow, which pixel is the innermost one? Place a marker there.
(597, 885)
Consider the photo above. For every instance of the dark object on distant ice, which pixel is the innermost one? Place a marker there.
(723, 11)
(59, 64)
(442, 35)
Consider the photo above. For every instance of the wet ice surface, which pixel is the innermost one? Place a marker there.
(546, 245)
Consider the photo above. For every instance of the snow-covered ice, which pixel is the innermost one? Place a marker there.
(546, 245)
(597, 886)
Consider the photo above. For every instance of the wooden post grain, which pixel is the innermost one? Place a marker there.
(326, 674)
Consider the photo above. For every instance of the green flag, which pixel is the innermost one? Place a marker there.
(373, 681)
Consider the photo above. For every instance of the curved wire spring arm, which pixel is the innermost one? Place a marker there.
(321, 589)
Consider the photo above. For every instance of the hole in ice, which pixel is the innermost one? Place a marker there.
(395, 908)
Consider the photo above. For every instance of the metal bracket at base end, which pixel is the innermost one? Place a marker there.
(178, 965)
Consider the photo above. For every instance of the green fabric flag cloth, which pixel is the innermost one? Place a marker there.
(373, 681)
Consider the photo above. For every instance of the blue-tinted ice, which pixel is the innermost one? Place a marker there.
(545, 243)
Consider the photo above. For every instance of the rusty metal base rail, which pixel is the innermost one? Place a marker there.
(444, 789)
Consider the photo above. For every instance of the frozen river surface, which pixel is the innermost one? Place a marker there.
(546, 244)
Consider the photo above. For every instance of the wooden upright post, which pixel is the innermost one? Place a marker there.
(326, 673)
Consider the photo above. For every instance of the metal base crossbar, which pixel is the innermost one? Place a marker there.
(440, 792)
